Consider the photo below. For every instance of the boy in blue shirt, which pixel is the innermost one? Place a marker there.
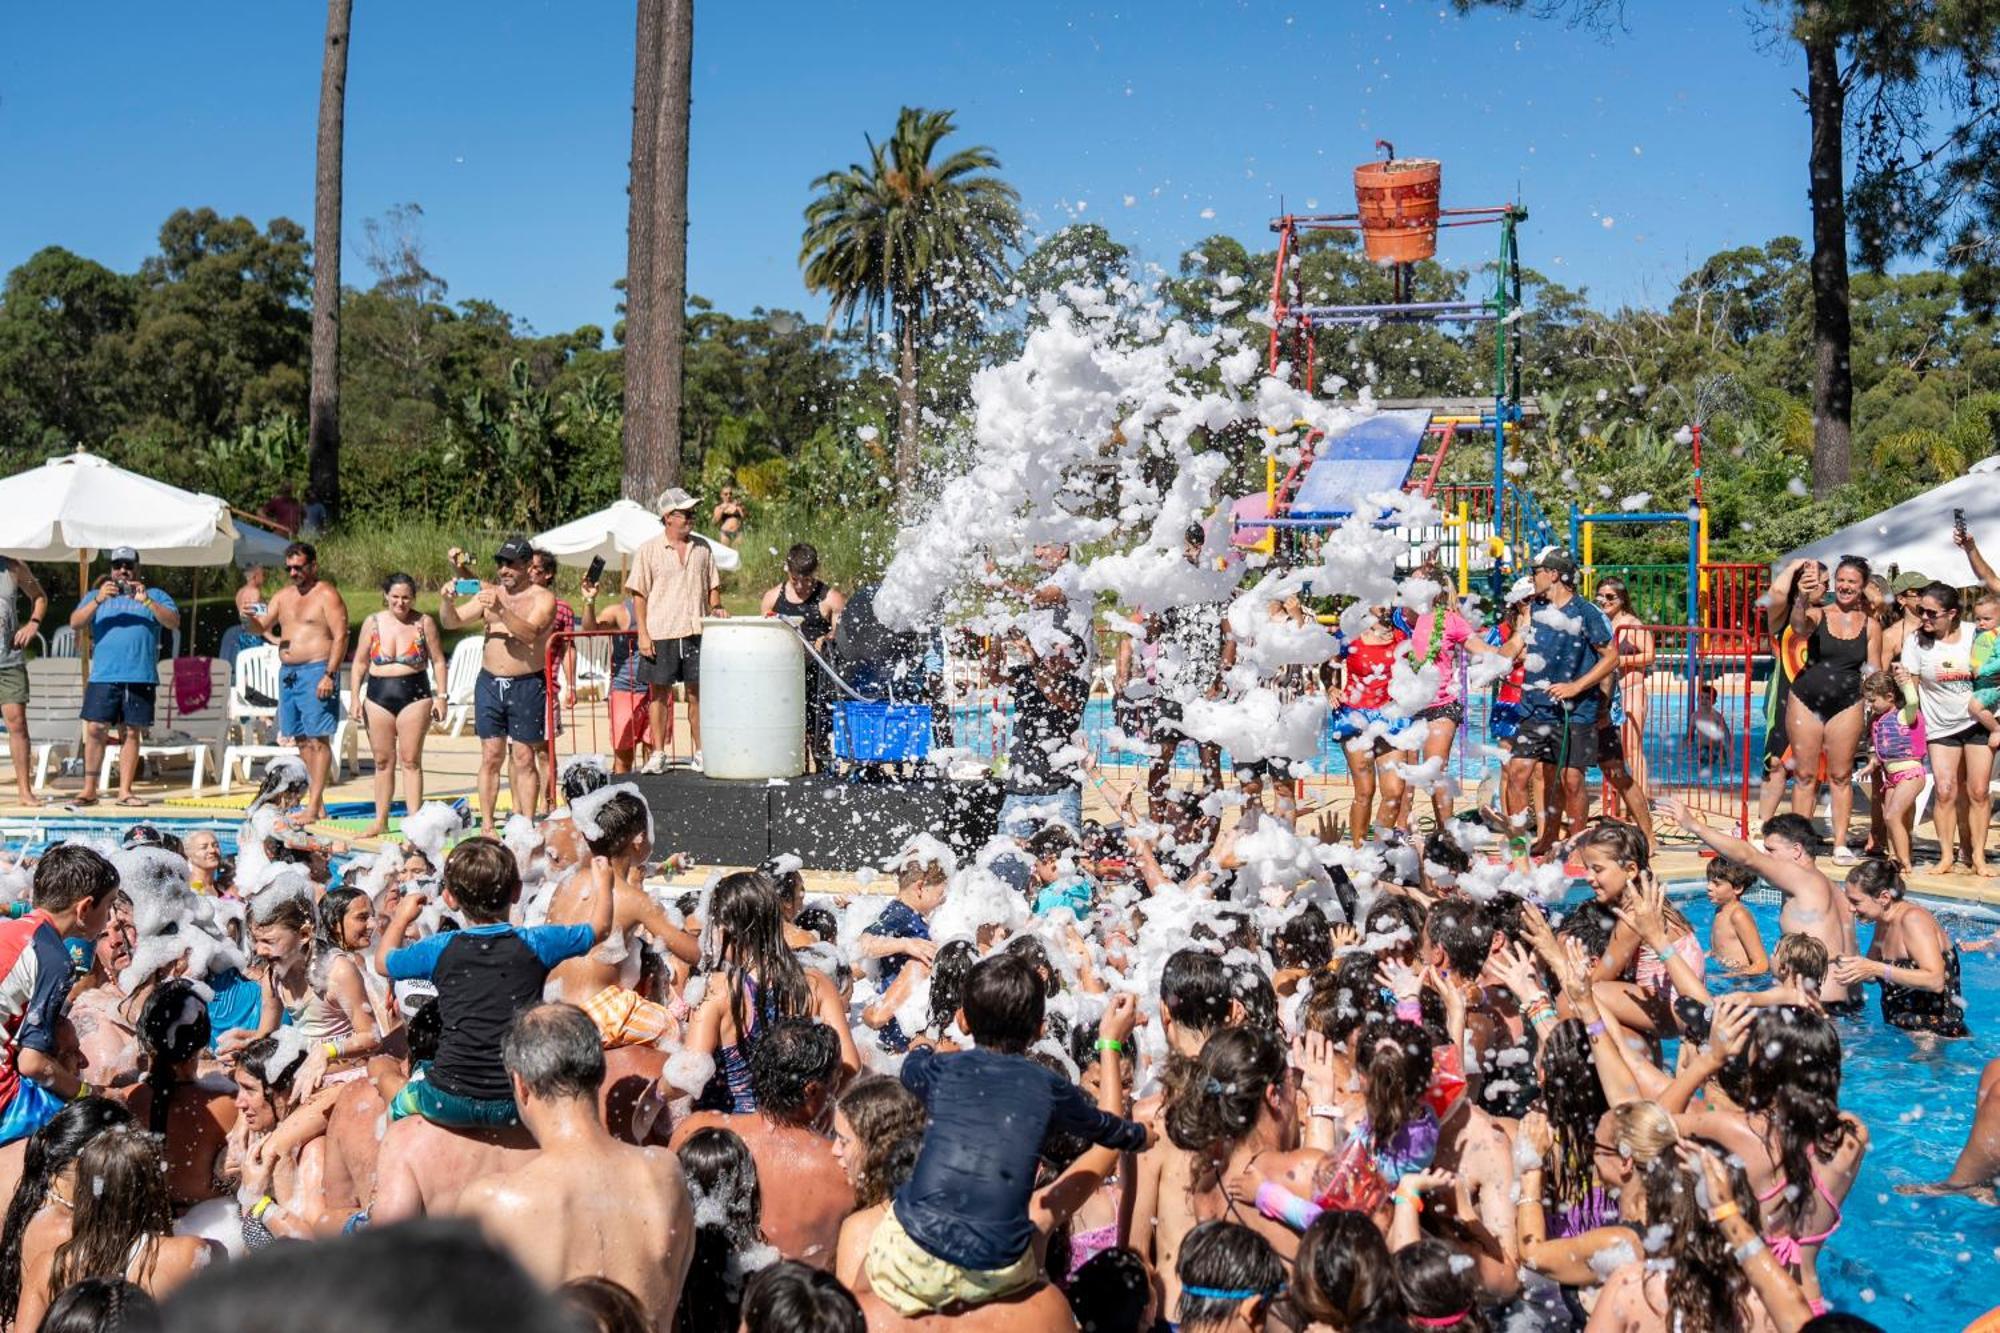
(1058, 885)
(485, 973)
(958, 1232)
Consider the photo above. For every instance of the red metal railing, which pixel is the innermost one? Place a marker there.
(579, 722)
(1690, 712)
(1733, 598)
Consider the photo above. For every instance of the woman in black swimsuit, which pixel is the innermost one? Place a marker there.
(400, 654)
(1824, 717)
(1911, 955)
(805, 602)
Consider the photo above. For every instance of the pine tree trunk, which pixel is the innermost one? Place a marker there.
(906, 412)
(1833, 377)
(323, 397)
(656, 260)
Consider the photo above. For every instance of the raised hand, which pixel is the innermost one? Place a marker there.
(1516, 969)
(1400, 979)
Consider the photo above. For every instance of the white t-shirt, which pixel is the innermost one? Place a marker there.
(1943, 673)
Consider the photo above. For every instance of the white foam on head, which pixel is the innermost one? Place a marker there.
(284, 775)
(924, 850)
(584, 809)
(430, 828)
(170, 921)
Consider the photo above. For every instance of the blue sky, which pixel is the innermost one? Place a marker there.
(1165, 120)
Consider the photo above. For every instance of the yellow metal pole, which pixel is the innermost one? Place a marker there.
(1589, 531)
(1464, 548)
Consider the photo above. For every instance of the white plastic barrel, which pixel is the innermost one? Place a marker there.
(753, 699)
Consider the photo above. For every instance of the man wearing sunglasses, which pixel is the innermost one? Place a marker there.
(125, 617)
(510, 700)
(310, 620)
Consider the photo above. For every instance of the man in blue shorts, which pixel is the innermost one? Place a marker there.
(1570, 652)
(310, 620)
(125, 617)
(511, 699)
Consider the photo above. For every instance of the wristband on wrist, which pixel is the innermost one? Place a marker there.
(1323, 1111)
(333, 1050)
(1411, 1197)
(1723, 1212)
(1594, 1028)
(1749, 1249)
(83, 1089)
(1111, 1044)
(1409, 1010)
(259, 1208)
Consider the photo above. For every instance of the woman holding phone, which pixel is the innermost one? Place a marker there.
(398, 684)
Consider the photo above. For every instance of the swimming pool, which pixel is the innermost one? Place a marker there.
(33, 833)
(1908, 1263)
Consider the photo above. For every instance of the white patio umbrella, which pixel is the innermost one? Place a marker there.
(615, 533)
(1917, 534)
(75, 506)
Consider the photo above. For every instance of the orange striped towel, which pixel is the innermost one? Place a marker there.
(626, 1018)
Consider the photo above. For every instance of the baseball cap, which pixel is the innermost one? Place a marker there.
(673, 498)
(1557, 561)
(124, 555)
(1910, 582)
(514, 551)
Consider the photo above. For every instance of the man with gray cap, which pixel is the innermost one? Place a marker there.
(1570, 651)
(673, 582)
(510, 699)
(125, 617)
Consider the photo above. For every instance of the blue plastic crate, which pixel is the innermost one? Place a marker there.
(881, 733)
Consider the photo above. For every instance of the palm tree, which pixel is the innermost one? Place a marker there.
(656, 247)
(323, 397)
(894, 239)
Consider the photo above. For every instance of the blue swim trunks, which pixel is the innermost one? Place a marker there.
(1349, 723)
(301, 712)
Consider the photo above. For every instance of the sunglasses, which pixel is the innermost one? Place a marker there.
(296, 569)
(123, 564)
(1930, 612)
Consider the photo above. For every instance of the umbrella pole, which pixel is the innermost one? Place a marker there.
(82, 592)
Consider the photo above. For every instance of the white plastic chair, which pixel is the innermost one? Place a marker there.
(593, 667)
(55, 702)
(461, 677)
(193, 736)
(258, 669)
(64, 642)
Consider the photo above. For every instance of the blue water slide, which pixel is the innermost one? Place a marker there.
(1369, 457)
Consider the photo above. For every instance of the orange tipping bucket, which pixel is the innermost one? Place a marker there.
(1398, 203)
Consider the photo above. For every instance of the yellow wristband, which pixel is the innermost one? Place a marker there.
(83, 1089)
(333, 1050)
(262, 1206)
(1725, 1212)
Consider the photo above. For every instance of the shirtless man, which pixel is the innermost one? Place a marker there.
(310, 621)
(622, 836)
(1812, 905)
(806, 1193)
(423, 1169)
(510, 701)
(586, 1205)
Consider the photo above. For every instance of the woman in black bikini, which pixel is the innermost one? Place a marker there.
(401, 655)
(806, 603)
(1824, 718)
(1911, 955)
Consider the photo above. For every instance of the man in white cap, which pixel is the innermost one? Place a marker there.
(125, 618)
(673, 583)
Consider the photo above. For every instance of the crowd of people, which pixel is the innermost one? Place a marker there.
(1214, 1066)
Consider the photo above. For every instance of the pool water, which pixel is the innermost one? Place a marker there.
(1908, 1263)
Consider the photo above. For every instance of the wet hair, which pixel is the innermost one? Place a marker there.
(1442, 850)
(1437, 1284)
(1195, 990)
(1050, 842)
(1110, 1293)
(621, 818)
(790, 883)
(1733, 873)
(280, 779)
(888, 1119)
(1800, 957)
(1394, 1055)
(51, 1148)
(1220, 1101)
(1304, 941)
(793, 1054)
(819, 921)
(1030, 950)
(256, 1058)
(437, 1275)
(729, 1212)
(791, 1297)
(1706, 1291)
(1461, 929)
(1343, 997)
(1004, 1002)
(1253, 990)
(1574, 1102)
(127, 1200)
(1590, 924)
(330, 915)
(604, 1306)
(1794, 1079)
(69, 873)
(1621, 841)
(1793, 828)
(556, 1051)
(1225, 1258)
(1839, 1321)
(802, 561)
(102, 1305)
(749, 921)
(173, 1028)
(1342, 1276)
(1878, 877)
(948, 972)
(396, 580)
(1393, 914)
(483, 878)
(579, 779)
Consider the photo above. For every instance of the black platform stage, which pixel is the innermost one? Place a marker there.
(827, 822)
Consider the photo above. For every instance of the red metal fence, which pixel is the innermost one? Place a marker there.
(1692, 717)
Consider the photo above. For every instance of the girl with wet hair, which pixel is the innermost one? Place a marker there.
(1572, 1106)
(1912, 956)
(102, 1305)
(878, 1126)
(1802, 1151)
(49, 1153)
(1437, 1287)
(1649, 974)
(754, 981)
(1227, 1274)
(311, 986)
(344, 926)
(729, 1230)
(193, 1121)
(277, 1191)
(1343, 1276)
(120, 1225)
